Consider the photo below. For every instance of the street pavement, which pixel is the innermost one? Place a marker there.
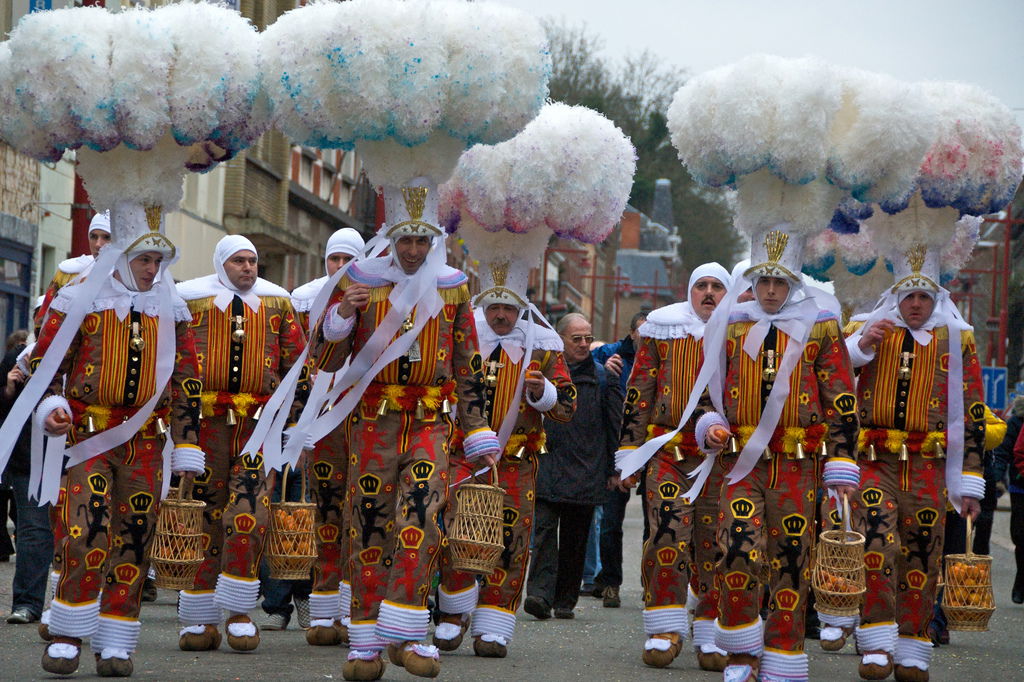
(600, 644)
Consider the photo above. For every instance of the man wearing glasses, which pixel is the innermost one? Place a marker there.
(571, 478)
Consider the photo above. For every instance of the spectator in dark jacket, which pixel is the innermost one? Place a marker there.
(34, 548)
(573, 477)
(617, 359)
(1013, 457)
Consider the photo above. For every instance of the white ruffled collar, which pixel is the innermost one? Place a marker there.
(673, 321)
(210, 285)
(513, 343)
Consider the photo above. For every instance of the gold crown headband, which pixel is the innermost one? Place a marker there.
(775, 243)
(916, 256)
(415, 199)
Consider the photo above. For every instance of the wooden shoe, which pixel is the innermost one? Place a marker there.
(242, 642)
(342, 632)
(836, 644)
(114, 667)
(404, 655)
(910, 674)
(44, 632)
(324, 635)
(741, 668)
(359, 669)
(485, 649)
(874, 671)
(712, 661)
(58, 665)
(208, 640)
(657, 658)
(456, 641)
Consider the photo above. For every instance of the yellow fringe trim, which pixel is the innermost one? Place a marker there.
(518, 440)
(895, 438)
(101, 416)
(241, 402)
(431, 399)
(201, 305)
(61, 278)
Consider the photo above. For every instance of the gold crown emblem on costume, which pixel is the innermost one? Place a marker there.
(668, 490)
(509, 516)
(322, 470)
(153, 214)
(415, 199)
(794, 524)
(915, 258)
(251, 461)
(422, 469)
(369, 484)
(97, 483)
(140, 502)
(775, 245)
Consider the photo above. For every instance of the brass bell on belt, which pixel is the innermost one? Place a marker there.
(258, 413)
(800, 454)
(161, 426)
(768, 455)
(543, 450)
(446, 407)
(136, 343)
(823, 450)
(231, 420)
(678, 453)
(90, 425)
(382, 409)
(733, 445)
(421, 413)
(518, 455)
(872, 456)
(238, 333)
(904, 453)
(940, 453)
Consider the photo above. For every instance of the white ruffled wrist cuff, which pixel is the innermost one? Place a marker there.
(337, 328)
(841, 471)
(480, 443)
(547, 399)
(704, 424)
(858, 358)
(972, 485)
(188, 458)
(46, 407)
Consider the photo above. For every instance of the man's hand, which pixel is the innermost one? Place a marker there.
(58, 422)
(970, 508)
(841, 491)
(614, 365)
(874, 334)
(615, 483)
(535, 384)
(487, 460)
(717, 437)
(185, 476)
(356, 296)
(629, 482)
(14, 377)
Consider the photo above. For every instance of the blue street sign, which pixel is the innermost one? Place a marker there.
(995, 387)
(39, 5)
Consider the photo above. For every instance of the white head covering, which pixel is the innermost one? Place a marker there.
(347, 241)
(101, 222)
(709, 270)
(225, 249)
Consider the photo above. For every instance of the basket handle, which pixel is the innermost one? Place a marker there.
(970, 537)
(284, 482)
(845, 513)
(494, 475)
(182, 483)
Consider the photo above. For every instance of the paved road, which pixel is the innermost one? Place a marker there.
(600, 644)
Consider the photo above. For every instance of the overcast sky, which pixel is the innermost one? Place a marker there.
(976, 41)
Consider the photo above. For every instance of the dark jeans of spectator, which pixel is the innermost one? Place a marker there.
(614, 510)
(1017, 535)
(559, 542)
(34, 550)
(995, 472)
(278, 594)
(8, 510)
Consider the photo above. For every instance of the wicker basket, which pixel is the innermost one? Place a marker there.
(291, 544)
(967, 598)
(177, 548)
(838, 578)
(475, 536)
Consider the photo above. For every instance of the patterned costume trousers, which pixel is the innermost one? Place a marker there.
(667, 552)
(502, 589)
(901, 512)
(237, 495)
(398, 482)
(704, 575)
(328, 483)
(766, 531)
(109, 512)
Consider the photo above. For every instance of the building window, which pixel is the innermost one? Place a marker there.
(15, 270)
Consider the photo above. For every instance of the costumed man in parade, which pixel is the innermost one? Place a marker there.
(683, 539)
(330, 599)
(111, 399)
(523, 385)
(789, 403)
(247, 339)
(923, 433)
(75, 269)
(406, 322)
